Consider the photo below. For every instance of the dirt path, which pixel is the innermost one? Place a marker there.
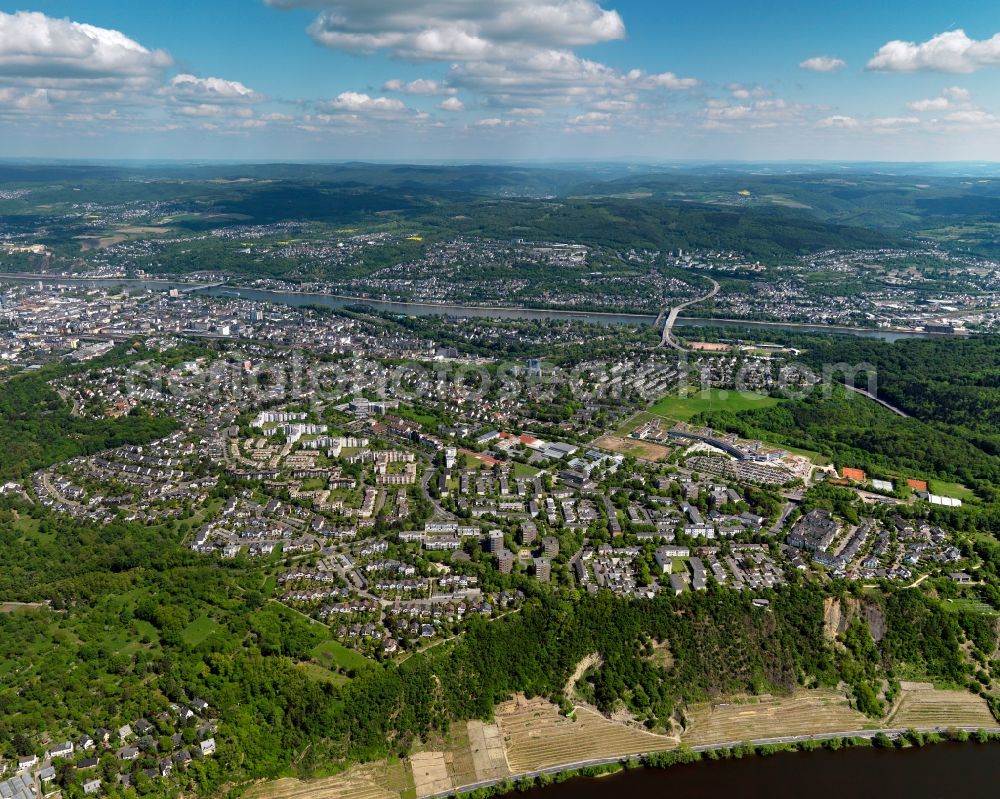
(589, 662)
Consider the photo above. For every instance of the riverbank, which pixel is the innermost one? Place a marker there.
(157, 283)
(335, 301)
(529, 742)
(383, 781)
(910, 768)
(765, 747)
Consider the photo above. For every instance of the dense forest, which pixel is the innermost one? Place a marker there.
(952, 381)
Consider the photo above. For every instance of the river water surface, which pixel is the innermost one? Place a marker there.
(943, 771)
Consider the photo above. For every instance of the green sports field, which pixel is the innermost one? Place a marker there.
(685, 408)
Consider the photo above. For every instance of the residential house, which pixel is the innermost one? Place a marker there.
(61, 750)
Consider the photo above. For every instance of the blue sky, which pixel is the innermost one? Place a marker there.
(500, 79)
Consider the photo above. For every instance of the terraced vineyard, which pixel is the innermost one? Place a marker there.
(537, 737)
(371, 781)
(921, 705)
(805, 713)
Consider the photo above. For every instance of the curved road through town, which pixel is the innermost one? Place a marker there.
(668, 339)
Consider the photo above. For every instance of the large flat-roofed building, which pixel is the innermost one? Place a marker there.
(815, 531)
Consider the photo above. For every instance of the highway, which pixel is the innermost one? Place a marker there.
(668, 339)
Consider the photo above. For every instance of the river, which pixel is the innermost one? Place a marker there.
(335, 301)
(484, 312)
(942, 771)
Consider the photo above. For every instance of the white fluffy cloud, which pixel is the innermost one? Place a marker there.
(452, 104)
(741, 92)
(838, 121)
(420, 86)
(724, 115)
(214, 110)
(823, 63)
(953, 97)
(591, 122)
(456, 30)
(559, 78)
(930, 104)
(358, 103)
(952, 51)
(213, 90)
(591, 118)
(893, 123)
(973, 118)
(509, 54)
(878, 125)
(60, 73)
(47, 51)
(664, 80)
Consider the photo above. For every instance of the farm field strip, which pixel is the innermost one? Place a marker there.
(536, 736)
(360, 782)
(431, 772)
(924, 706)
(488, 754)
(806, 713)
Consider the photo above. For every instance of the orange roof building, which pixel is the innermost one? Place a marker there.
(853, 474)
(917, 485)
